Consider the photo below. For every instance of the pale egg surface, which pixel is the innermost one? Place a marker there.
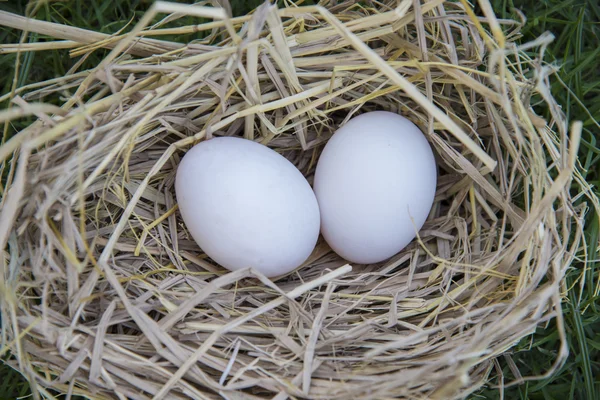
(247, 206)
(375, 183)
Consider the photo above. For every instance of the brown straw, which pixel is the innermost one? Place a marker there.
(103, 293)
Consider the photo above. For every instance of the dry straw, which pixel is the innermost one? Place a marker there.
(104, 294)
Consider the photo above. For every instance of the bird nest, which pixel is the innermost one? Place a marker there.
(105, 294)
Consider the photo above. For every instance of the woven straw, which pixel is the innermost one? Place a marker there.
(103, 292)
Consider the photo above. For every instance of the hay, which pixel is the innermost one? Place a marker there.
(104, 294)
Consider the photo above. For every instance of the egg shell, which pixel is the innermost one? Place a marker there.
(375, 183)
(247, 206)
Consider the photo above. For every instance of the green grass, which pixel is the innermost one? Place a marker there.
(576, 26)
(577, 48)
(12, 384)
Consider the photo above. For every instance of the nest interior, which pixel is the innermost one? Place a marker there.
(104, 293)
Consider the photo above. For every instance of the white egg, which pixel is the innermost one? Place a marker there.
(375, 184)
(247, 206)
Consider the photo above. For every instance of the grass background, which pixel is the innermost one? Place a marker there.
(575, 23)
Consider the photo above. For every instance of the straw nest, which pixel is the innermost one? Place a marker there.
(104, 293)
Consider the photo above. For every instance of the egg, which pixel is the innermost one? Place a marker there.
(247, 206)
(375, 183)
